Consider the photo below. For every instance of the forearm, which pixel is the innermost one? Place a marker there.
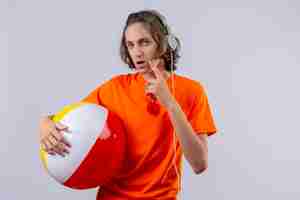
(194, 149)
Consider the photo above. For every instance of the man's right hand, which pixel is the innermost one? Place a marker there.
(51, 137)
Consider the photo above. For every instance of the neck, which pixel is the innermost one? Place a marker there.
(150, 76)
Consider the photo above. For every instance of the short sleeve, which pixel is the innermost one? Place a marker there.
(93, 97)
(101, 95)
(200, 115)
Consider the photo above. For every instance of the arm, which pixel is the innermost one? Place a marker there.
(194, 145)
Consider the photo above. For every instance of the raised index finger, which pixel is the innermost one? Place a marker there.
(153, 65)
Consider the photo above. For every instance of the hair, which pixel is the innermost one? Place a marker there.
(152, 21)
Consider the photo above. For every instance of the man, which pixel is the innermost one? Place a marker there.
(165, 115)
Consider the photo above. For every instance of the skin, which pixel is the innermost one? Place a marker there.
(51, 137)
(142, 47)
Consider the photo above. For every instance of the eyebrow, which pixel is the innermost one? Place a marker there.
(139, 40)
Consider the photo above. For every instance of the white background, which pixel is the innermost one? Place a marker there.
(245, 53)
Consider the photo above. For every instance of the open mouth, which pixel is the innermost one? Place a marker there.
(140, 62)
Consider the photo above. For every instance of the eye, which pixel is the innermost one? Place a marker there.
(129, 45)
(145, 42)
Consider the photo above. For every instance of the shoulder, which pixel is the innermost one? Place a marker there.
(189, 84)
(124, 80)
(117, 79)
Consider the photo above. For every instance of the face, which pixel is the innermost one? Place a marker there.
(141, 47)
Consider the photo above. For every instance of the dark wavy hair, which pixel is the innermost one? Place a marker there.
(151, 19)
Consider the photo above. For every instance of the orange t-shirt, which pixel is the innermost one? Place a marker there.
(148, 171)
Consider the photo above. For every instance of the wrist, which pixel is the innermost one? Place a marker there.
(172, 106)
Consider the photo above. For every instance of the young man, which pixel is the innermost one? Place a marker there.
(165, 115)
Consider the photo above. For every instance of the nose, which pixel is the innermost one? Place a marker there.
(137, 52)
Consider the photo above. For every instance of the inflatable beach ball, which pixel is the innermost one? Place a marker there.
(98, 146)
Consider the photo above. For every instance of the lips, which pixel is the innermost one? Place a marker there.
(142, 66)
(140, 62)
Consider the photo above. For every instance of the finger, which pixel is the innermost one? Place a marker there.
(58, 135)
(66, 142)
(51, 152)
(52, 140)
(48, 146)
(151, 84)
(60, 153)
(64, 148)
(154, 66)
(157, 73)
(61, 127)
(150, 88)
(150, 91)
(61, 149)
(60, 138)
(45, 145)
(57, 150)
